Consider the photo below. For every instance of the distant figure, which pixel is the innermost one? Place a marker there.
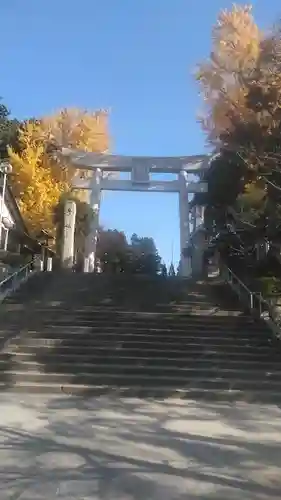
(164, 271)
(172, 271)
(78, 267)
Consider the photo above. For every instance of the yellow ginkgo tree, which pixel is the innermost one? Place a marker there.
(223, 77)
(241, 86)
(41, 181)
(77, 129)
(36, 182)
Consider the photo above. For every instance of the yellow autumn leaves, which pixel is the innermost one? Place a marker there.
(236, 48)
(39, 181)
(34, 183)
(240, 84)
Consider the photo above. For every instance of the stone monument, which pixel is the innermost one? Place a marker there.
(67, 255)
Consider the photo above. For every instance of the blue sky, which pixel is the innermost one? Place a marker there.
(133, 56)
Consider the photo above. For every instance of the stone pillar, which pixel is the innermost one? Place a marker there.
(38, 263)
(198, 251)
(91, 240)
(185, 263)
(6, 239)
(49, 264)
(67, 257)
(193, 219)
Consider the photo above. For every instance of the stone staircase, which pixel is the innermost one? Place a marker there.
(85, 334)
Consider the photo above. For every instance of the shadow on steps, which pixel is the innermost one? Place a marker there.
(137, 337)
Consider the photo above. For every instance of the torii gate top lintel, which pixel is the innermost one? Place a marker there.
(107, 162)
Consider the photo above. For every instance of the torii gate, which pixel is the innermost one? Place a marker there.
(140, 168)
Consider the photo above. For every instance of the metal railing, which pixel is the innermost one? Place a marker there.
(247, 296)
(15, 280)
(270, 313)
(254, 301)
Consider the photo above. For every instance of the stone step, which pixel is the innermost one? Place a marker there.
(111, 358)
(121, 380)
(96, 322)
(142, 340)
(170, 315)
(149, 333)
(146, 369)
(108, 302)
(154, 392)
(199, 321)
(41, 308)
(165, 334)
(167, 318)
(138, 326)
(110, 307)
(56, 330)
(270, 357)
(141, 348)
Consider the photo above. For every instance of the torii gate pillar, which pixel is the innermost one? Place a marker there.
(91, 239)
(185, 268)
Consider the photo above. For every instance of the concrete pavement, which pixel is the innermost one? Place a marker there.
(111, 448)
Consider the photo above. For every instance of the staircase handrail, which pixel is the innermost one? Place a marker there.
(269, 314)
(14, 280)
(258, 305)
(238, 286)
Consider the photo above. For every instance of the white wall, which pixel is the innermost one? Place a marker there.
(6, 214)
